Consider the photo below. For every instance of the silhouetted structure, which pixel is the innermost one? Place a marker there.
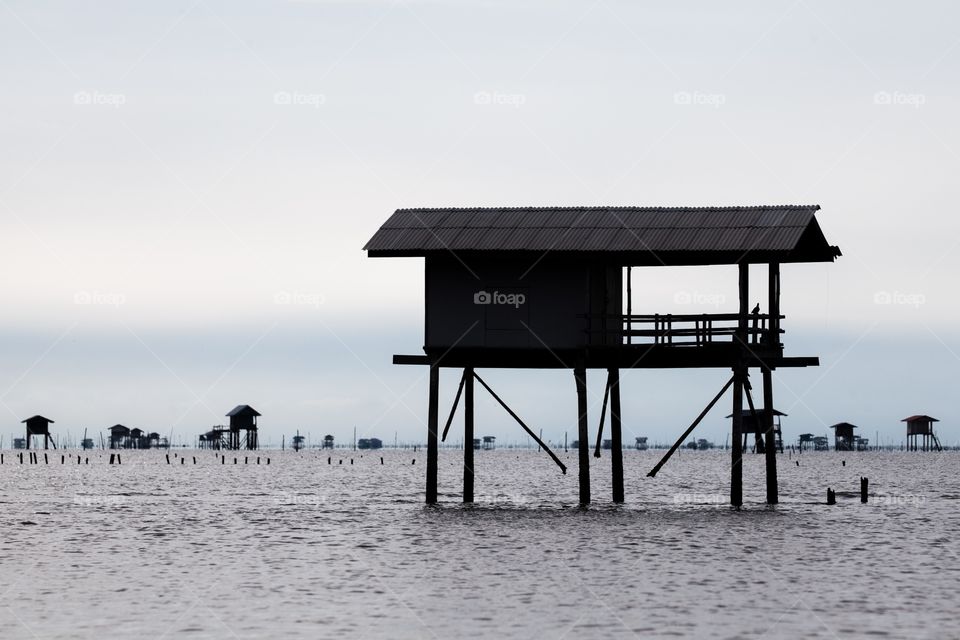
(119, 437)
(369, 443)
(86, 444)
(39, 426)
(19, 443)
(489, 442)
(535, 287)
(804, 439)
(921, 427)
(476, 443)
(298, 441)
(217, 438)
(243, 417)
(328, 441)
(641, 444)
(843, 437)
(820, 443)
(753, 423)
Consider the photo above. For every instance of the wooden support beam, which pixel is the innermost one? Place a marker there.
(603, 413)
(580, 374)
(616, 453)
(771, 438)
(453, 409)
(773, 302)
(467, 384)
(676, 445)
(432, 445)
(529, 431)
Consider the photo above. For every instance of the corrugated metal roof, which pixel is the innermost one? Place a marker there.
(243, 410)
(762, 229)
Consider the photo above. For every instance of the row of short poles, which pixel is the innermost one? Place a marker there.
(330, 460)
(115, 457)
(864, 488)
(34, 459)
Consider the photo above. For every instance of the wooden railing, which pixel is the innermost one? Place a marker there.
(683, 330)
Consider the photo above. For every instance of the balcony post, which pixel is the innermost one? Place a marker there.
(773, 302)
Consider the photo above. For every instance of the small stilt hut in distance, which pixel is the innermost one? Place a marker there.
(921, 426)
(489, 442)
(216, 438)
(119, 437)
(753, 424)
(805, 439)
(843, 436)
(39, 426)
(369, 443)
(298, 441)
(243, 417)
(328, 441)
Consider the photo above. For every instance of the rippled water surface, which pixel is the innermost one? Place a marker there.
(301, 548)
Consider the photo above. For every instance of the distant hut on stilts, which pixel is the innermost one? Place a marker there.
(39, 426)
(921, 426)
(243, 417)
(843, 437)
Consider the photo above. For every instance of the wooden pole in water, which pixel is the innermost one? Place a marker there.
(739, 375)
(773, 341)
(432, 433)
(580, 375)
(467, 383)
(616, 457)
(770, 438)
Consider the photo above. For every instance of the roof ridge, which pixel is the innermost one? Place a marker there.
(773, 207)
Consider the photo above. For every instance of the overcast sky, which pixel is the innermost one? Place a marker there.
(185, 188)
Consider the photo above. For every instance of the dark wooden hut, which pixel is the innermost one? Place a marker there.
(542, 287)
(920, 428)
(39, 426)
(119, 437)
(298, 442)
(753, 424)
(138, 439)
(243, 417)
(328, 441)
(844, 438)
(217, 438)
(369, 443)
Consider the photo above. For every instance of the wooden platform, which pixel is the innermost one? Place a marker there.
(647, 356)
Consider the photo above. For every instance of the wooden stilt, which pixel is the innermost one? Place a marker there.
(739, 377)
(771, 438)
(432, 434)
(467, 383)
(616, 454)
(580, 373)
(736, 461)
